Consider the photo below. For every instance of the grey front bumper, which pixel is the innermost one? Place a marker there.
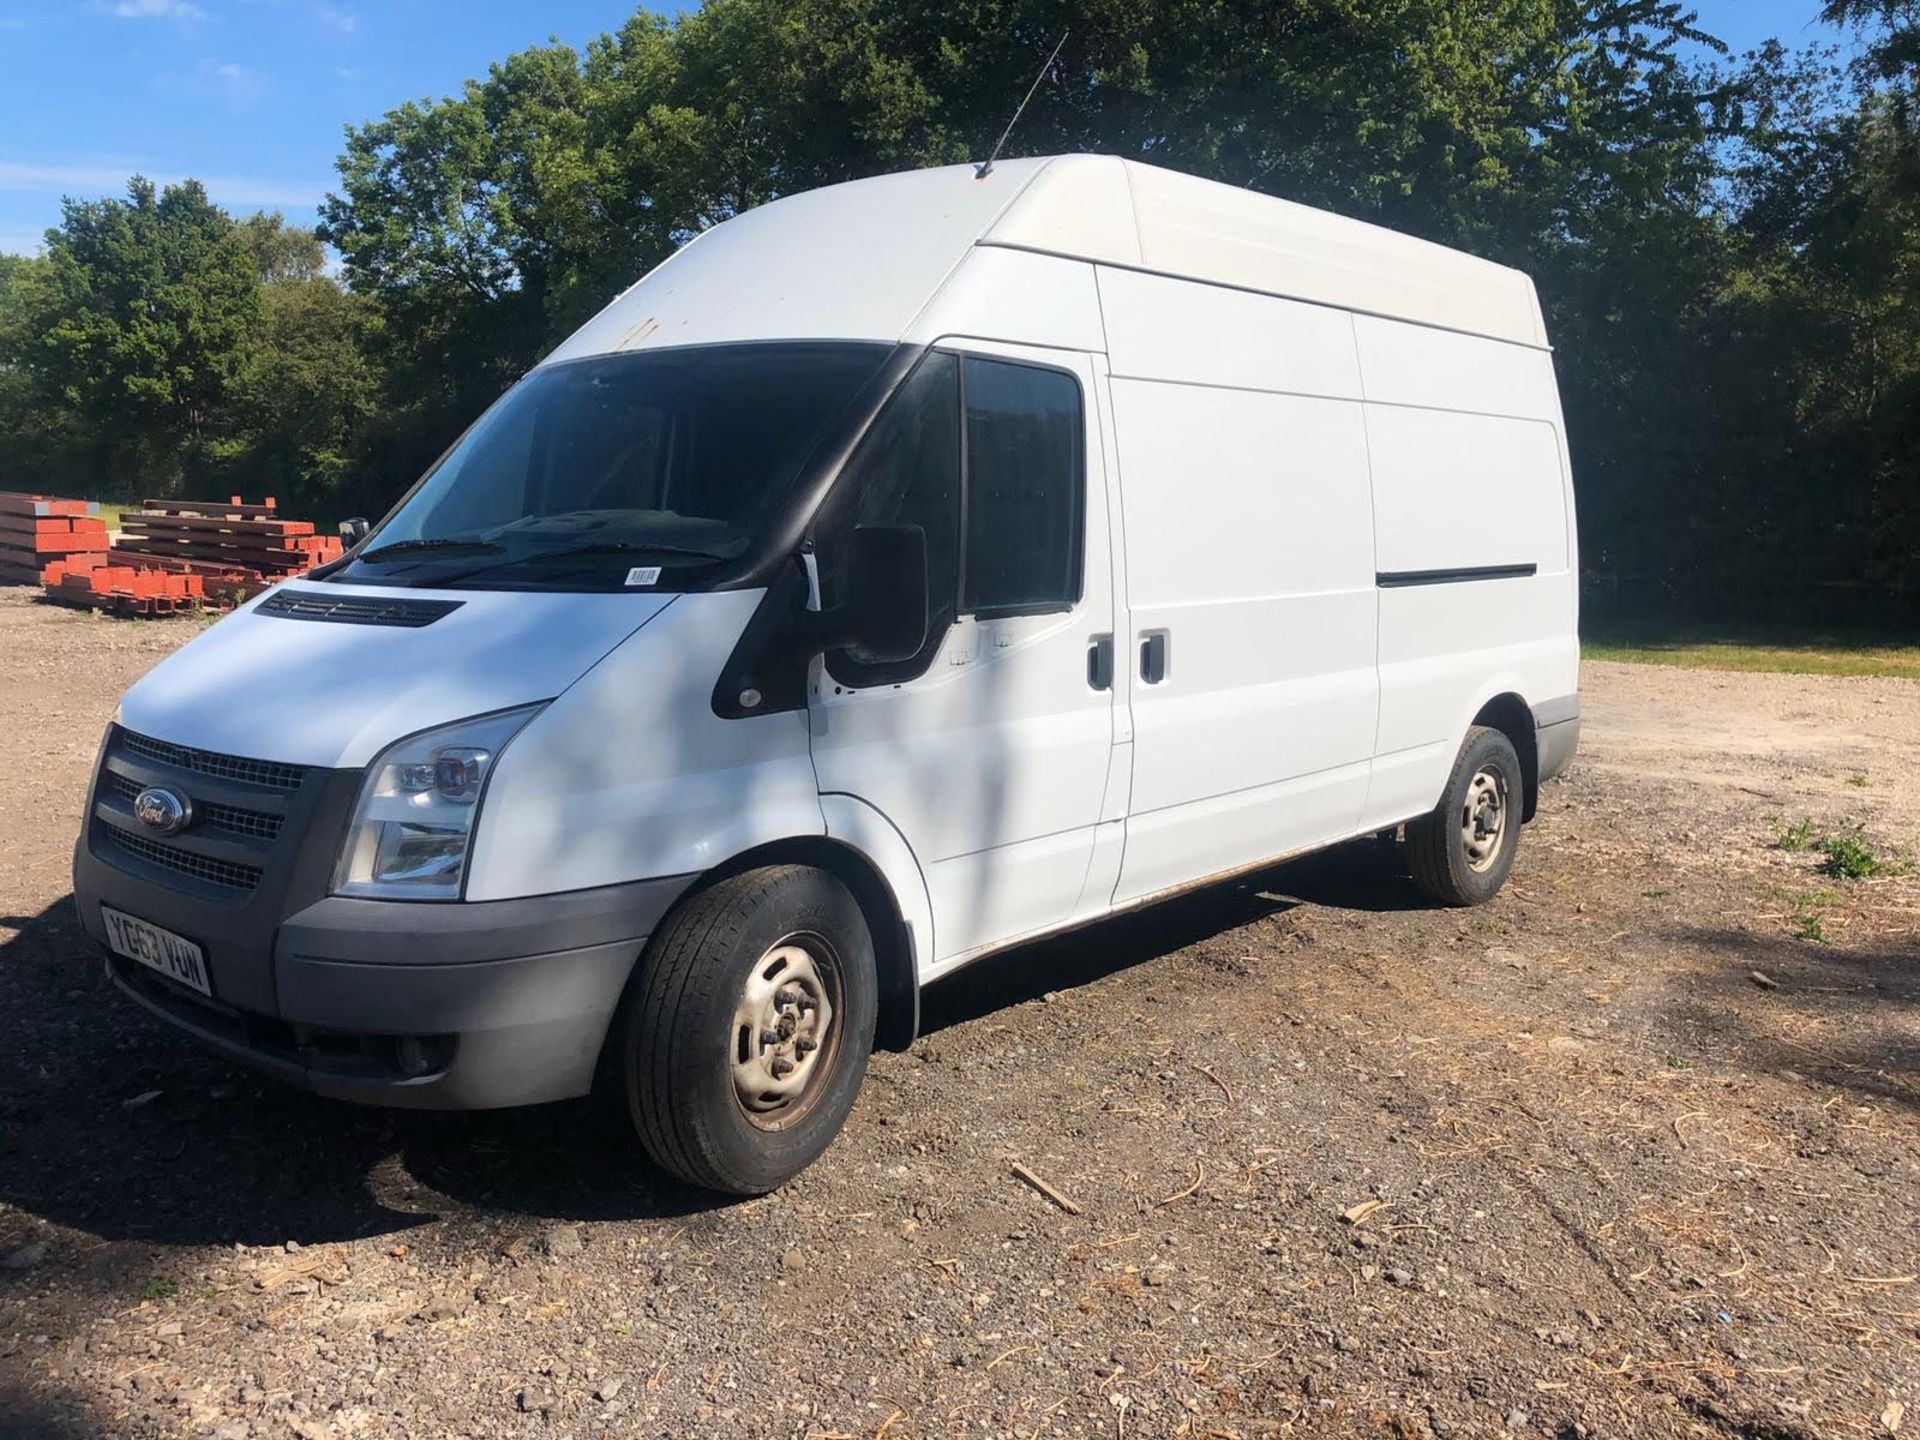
(431, 1006)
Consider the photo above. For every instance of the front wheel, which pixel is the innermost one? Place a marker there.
(747, 1029)
(1462, 851)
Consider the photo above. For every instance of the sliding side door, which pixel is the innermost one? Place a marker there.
(1248, 523)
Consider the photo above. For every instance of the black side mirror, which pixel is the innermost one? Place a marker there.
(883, 614)
(353, 531)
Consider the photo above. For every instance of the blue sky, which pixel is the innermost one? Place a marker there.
(251, 96)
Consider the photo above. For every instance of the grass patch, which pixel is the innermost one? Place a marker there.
(160, 1288)
(1813, 657)
(1794, 838)
(1845, 854)
(1763, 649)
(1806, 920)
(112, 510)
(1849, 855)
(1809, 918)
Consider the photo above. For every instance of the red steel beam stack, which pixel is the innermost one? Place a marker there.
(35, 529)
(178, 554)
(97, 582)
(249, 537)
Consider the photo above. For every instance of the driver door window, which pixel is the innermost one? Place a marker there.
(985, 456)
(906, 472)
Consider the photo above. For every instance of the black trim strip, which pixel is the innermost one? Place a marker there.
(1401, 579)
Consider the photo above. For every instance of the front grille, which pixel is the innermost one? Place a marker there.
(267, 773)
(355, 609)
(178, 860)
(254, 824)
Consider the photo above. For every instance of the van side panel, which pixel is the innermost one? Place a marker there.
(1469, 474)
(1249, 546)
(630, 775)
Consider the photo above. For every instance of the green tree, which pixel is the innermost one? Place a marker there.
(153, 302)
(1893, 27)
(299, 413)
(34, 436)
(283, 253)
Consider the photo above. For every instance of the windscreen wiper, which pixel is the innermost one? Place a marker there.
(402, 548)
(583, 552)
(627, 547)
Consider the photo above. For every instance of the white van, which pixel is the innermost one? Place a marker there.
(902, 571)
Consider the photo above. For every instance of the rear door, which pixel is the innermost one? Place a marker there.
(989, 751)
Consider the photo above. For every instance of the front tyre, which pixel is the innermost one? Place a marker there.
(1462, 851)
(746, 1032)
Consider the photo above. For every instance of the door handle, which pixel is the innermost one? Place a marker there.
(1153, 656)
(1100, 663)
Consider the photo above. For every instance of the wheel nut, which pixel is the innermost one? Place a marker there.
(786, 995)
(806, 1044)
(782, 1068)
(769, 1037)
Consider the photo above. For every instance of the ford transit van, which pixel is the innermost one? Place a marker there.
(901, 571)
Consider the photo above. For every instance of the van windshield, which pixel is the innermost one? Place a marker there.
(674, 460)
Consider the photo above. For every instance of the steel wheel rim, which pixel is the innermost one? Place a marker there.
(785, 1033)
(1483, 819)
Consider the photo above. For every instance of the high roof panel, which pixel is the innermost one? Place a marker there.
(846, 262)
(1122, 212)
(861, 260)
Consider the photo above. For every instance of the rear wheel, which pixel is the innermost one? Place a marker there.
(1462, 851)
(747, 1029)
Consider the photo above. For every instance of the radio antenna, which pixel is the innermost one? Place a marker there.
(986, 166)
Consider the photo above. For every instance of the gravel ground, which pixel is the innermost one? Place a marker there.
(1634, 1151)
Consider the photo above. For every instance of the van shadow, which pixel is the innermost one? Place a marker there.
(1364, 875)
(112, 1123)
(27, 1416)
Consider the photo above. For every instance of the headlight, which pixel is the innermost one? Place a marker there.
(410, 831)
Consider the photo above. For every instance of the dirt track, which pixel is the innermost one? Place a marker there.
(1623, 1187)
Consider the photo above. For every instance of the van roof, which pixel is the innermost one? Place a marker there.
(861, 260)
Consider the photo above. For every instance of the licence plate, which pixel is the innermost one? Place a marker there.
(174, 956)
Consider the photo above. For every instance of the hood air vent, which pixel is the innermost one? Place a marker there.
(355, 609)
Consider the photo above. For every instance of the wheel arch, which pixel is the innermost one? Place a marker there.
(895, 947)
(1510, 714)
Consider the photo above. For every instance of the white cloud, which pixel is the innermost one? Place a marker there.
(241, 84)
(89, 180)
(158, 10)
(345, 21)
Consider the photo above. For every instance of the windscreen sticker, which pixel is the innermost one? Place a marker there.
(644, 575)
